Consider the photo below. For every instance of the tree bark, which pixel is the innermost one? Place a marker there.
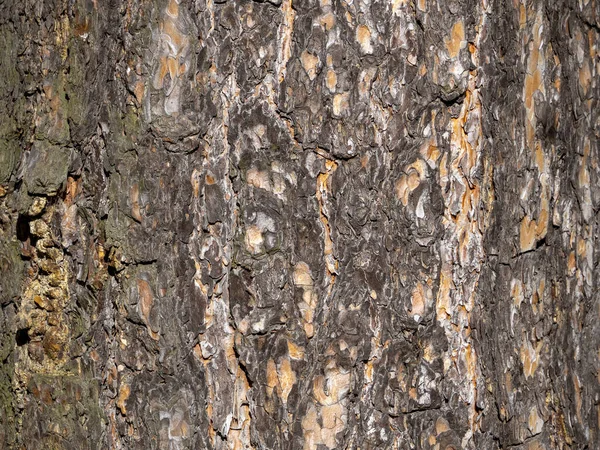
(356, 224)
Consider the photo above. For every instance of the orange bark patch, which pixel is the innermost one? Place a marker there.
(73, 188)
(413, 180)
(535, 445)
(456, 41)
(146, 299)
(311, 429)
(363, 37)
(258, 178)
(338, 384)
(585, 76)
(173, 9)
(397, 5)
(195, 180)
(295, 351)
(418, 301)
(532, 231)
(340, 103)
(308, 304)
(287, 378)
(443, 303)
(571, 264)
(517, 293)
(331, 80)
(441, 425)
(134, 195)
(124, 392)
(527, 234)
(285, 37)
(139, 91)
(532, 84)
(254, 239)
(522, 17)
(280, 379)
(584, 176)
(327, 21)
(272, 378)
(408, 182)
(535, 422)
(302, 276)
(179, 428)
(432, 154)
(323, 189)
(530, 358)
(309, 63)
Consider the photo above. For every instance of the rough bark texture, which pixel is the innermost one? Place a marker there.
(356, 224)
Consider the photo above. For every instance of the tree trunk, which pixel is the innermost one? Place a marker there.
(318, 224)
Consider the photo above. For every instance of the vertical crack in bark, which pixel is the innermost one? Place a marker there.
(534, 230)
(284, 39)
(463, 251)
(327, 413)
(323, 190)
(228, 410)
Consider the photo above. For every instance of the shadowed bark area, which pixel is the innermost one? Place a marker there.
(299, 224)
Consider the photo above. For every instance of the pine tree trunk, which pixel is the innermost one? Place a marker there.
(307, 224)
